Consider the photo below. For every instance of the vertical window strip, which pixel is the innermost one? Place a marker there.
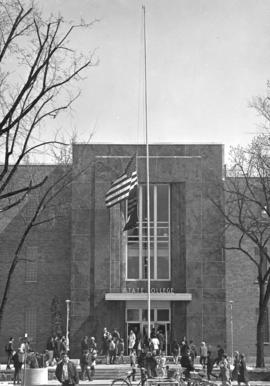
(156, 238)
(141, 265)
(169, 228)
(155, 230)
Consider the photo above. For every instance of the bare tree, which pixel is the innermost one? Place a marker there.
(246, 210)
(39, 73)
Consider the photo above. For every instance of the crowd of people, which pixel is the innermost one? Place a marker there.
(146, 353)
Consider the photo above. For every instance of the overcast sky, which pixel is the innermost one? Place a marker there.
(206, 59)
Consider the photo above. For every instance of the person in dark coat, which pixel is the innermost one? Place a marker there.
(210, 361)
(18, 359)
(243, 373)
(57, 347)
(84, 344)
(236, 362)
(66, 372)
(85, 363)
(10, 351)
(175, 351)
(187, 363)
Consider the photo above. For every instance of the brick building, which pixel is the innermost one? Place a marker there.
(85, 256)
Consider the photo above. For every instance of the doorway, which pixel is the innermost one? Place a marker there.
(136, 320)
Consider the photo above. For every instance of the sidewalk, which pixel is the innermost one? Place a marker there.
(108, 382)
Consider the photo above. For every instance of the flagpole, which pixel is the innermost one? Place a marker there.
(147, 185)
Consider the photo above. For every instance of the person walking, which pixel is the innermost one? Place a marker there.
(243, 373)
(66, 372)
(225, 375)
(209, 365)
(9, 350)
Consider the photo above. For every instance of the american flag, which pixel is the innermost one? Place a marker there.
(122, 186)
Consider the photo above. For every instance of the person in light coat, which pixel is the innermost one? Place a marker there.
(131, 341)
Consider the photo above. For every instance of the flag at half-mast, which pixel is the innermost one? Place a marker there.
(123, 185)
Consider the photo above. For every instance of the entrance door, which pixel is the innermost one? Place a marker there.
(136, 319)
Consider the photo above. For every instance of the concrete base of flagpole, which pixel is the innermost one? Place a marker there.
(35, 377)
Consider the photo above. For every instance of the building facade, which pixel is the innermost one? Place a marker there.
(85, 256)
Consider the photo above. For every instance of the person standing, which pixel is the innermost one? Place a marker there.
(132, 359)
(18, 359)
(225, 375)
(175, 351)
(186, 363)
(120, 350)
(50, 349)
(243, 373)
(63, 345)
(116, 337)
(105, 343)
(193, 350)
(93, 353)
(84, 344)
(209, 365)
(92, 344)
(220, 352)
(66, 372)
(203, 354)
(9, 350)
(236, 362)
(85, 363)
(162, 364)
(57, 348)
(112, 351)
(131, 341)
(162, 343)
(155, 344)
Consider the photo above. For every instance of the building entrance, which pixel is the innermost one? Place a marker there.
(136, 320)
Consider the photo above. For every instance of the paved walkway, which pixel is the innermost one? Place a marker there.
(107, 382)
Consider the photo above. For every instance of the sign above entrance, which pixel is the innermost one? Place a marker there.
(155, 295)
(152, 290)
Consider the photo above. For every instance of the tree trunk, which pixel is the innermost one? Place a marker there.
(260, 343)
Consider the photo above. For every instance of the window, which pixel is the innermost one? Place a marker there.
(137, 264)
(30, 324)
(141, 315)
(31, 264)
